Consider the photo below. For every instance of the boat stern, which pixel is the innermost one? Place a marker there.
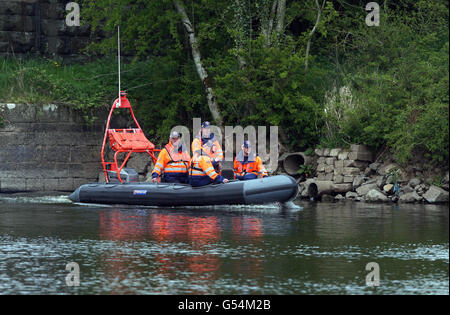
(280, 188)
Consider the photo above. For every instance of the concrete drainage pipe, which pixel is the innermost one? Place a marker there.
(293, 162)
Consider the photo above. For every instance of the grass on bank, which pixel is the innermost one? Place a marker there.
(155, 88)
(43, 81)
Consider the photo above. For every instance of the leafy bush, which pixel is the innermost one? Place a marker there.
(397, 75)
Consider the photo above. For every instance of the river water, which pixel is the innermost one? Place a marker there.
(320, 248)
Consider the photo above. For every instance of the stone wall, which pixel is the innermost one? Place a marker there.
(352, 174)
(38, 26)
(47, 148)
(342, 166)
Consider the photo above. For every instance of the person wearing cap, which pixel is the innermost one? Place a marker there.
(173, 161)
(202, 171)
(247, 164)
(208, 143)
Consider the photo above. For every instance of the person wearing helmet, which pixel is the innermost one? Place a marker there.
(173, 161)
(247, 164)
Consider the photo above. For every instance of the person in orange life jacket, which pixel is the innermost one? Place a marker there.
(208, 143)
(247, 165)
(202, 171)
(174, 161)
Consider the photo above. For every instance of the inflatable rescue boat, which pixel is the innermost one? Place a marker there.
(122, 184)
(279, 188)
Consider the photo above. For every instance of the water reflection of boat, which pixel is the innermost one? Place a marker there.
(178, 245)
(117, 225)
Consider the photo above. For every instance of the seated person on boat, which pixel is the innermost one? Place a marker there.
(202, 171)
(247, 164)
(206, 141)
(173, 161)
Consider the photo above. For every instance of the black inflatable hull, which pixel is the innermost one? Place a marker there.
(279, 188)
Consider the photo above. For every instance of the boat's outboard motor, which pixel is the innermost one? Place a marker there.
(228, 174)
(227, 170)
(127, 174)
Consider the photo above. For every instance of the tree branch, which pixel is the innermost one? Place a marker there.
(308, 45)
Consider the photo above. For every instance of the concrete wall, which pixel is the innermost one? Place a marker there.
(38, 26)
(47, 148)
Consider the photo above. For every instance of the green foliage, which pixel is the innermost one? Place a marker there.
(398, 77)
(306, 170)
(309, 152)
(272, 89)
(383, 86)
(436, 180)
(393, 175)
(41, 81)
(153, 87)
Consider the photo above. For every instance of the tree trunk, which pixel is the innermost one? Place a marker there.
(268, 25)
(281, 13)
(240, 20)
(212, 102)
(308, 45)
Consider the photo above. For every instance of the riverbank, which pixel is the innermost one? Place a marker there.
(53, 148)
(353, 174)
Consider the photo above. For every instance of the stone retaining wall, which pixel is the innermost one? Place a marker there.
(38, 26)
(342, 166)
(47, 148)
(352, 174)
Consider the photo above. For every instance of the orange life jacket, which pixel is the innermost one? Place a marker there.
(202, 166)
(253, 165)
(172, 161)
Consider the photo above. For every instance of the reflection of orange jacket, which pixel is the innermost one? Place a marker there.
(172, 161)
(252, 165)
(212, 148)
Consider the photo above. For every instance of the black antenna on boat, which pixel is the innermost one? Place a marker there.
(118, 57)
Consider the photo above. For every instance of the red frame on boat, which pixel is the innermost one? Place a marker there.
(125, 140)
